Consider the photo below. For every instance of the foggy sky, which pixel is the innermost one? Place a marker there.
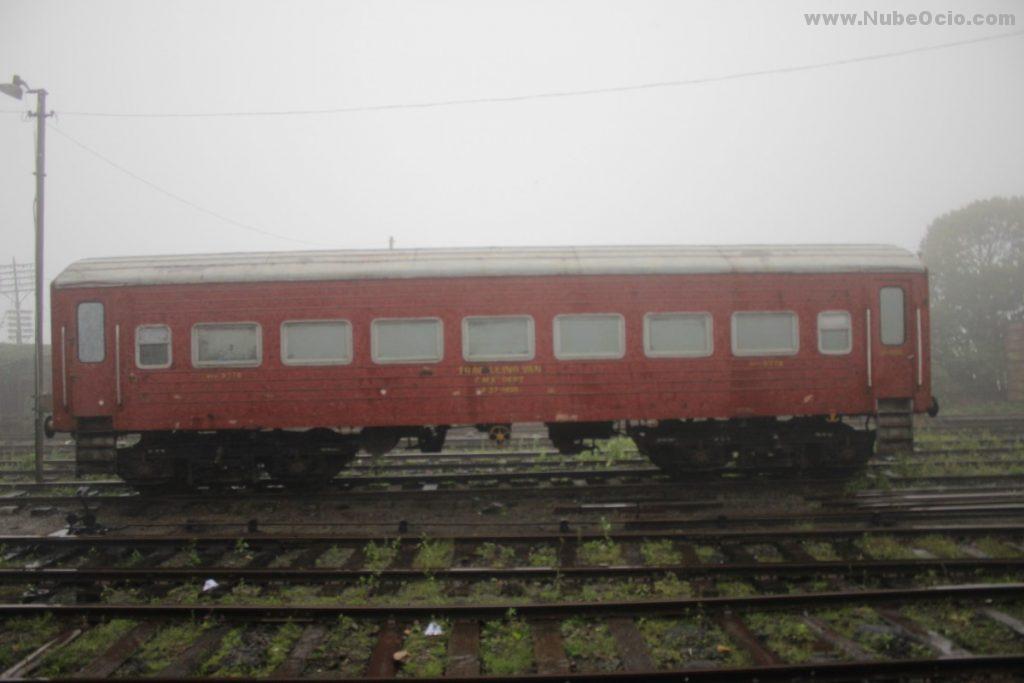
(868, 152)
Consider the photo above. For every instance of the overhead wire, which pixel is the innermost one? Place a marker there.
(177, 197)
(467, 101)
(558, 94)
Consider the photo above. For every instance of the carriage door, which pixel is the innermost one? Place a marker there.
(91, 361)
(893, 342)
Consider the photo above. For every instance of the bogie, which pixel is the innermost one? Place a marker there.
(809, 445)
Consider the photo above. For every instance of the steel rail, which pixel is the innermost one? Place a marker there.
(817, 671)
(710, 479)
(264, 612)
(572, 536)
(320, 575)
(879, 516)
(470, 459)
(508, 469)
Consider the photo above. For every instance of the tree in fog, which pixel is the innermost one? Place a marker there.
(975, 256)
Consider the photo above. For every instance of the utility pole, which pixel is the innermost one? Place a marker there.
(40, 206)
(17, 303)
(16, 89)
(19, 276)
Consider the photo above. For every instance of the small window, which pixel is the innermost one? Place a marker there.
(226, 344)
(407, 340)
(590, 336)
(316, 342)
(153, 346)
(891, 303)
(668, 335)
(497, 338)
(91, 337)
(765, 333)
(834, 335)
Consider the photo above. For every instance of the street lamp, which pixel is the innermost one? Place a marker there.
(16, 88)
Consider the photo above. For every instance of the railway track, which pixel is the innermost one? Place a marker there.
(988, 424)
(969, 495)
(556, 546)
(529, 462)
(716, 638)
(736, 616)
(512, 454)
(574, 568)
(461, 469)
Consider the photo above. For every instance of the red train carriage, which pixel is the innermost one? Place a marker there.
(232, 366)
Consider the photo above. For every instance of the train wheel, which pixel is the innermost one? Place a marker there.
(312, 459)
(678, 460)
(845, 457)
(568, 446)
(310, 470)
(378, 440)
(431, 440)
(152, 469)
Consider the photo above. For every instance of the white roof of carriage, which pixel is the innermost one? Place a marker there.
(485, 262)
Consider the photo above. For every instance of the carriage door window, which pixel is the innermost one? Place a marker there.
(91, 342)
(153, 346)
(834, 333)
(891, 304)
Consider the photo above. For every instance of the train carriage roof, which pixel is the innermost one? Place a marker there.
(486, 262)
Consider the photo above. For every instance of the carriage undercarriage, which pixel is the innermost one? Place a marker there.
(817, 446)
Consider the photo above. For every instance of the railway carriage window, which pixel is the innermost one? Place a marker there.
(407, 340)
(674, 335)
(891, 303)
(834, 337)
(497, 338)
(590, 336)
(91, 338)
(226, 344)
(153, 346)
(765, 333)
(316, 342)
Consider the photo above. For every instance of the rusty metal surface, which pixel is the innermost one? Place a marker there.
(256, 540)
(548, 648)
(118, 653)
(464, 648)
(1011, 665)
(300, 574)
(1002, 591)
(188, 660)
(838, 641)
(741, 633)
(567, 554)
(382, 659)
(629, 644)
(651, 489)
(293, 665)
